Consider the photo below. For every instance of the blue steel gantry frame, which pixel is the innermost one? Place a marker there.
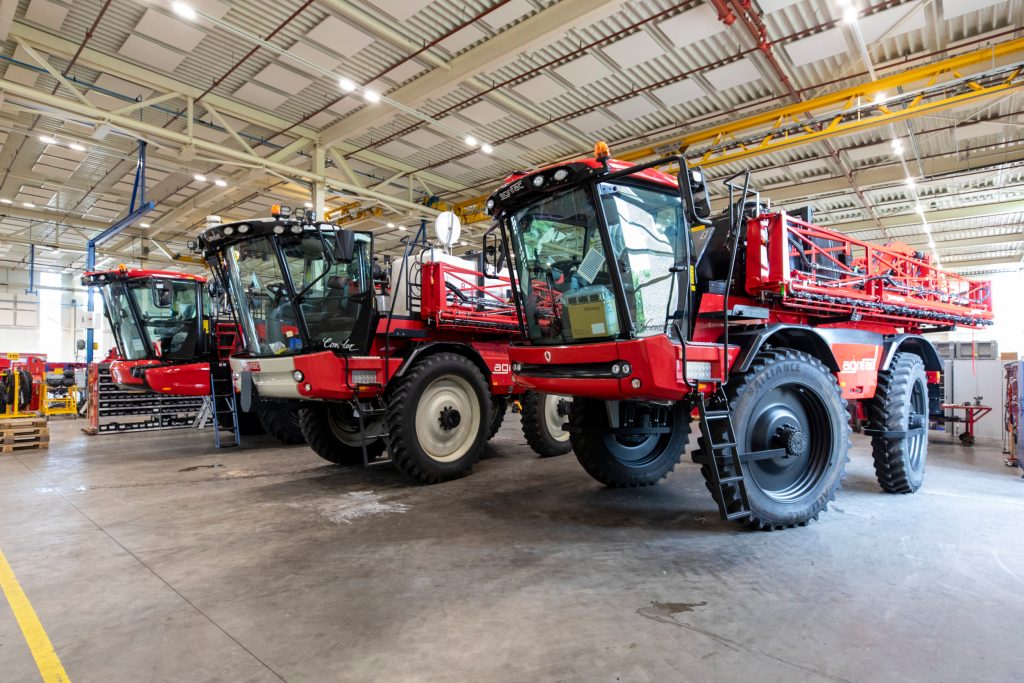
(134, 213)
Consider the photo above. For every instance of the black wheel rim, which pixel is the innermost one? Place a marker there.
(638, 450)
(916, 419)
(793, 417)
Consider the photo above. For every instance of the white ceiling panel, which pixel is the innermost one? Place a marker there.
(876, 25)
(320, 120)
(169, 30)
(540, 88)
(770, 6)
(395, 148)
(731, 75)
(37, 192)
(209, 134)
(21, 75)
(423, 138)
(507, 13)
(460, 40)
(63, 152)
(692, 26)
(977, 130)
(958, 8)
(405, 71)
(682, 92)
(49, 14)
(345, 105)
(483, 113)
(633, 49)
(283, 79)
(401, 9)
(302, 50)
(478, 160)
(451, 170)
(257, 94)
(537, 140)
(59, 162)
(123, 87)
(151, 54)
(870, 151)
(632, 108)
(819, 46)
(583, 70)
(591, 122)
(336, 35)
(52, 172)
(214, 8)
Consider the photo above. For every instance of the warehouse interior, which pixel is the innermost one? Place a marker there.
(170, 517)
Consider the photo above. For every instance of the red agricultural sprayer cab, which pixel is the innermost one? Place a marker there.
(647, 310)
(414, 361)
(168, 335)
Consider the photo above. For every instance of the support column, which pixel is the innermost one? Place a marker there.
(319, 188)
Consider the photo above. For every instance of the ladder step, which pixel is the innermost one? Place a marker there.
(723, 444)
(716, 414)
(730, 480)
(740, 514)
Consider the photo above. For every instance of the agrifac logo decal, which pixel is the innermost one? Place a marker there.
(851, 366)
(510, 190)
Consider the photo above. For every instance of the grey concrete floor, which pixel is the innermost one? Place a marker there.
(155, 557)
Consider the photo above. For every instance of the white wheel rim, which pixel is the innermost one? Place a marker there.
(447, 396)
(348, 437)
(552, 420)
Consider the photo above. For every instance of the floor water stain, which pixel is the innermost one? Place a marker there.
(665, 611)
(200, 467)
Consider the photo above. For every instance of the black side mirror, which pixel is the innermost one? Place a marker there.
(344, 246)
(80, 345)
(696, 199)
(162, 295)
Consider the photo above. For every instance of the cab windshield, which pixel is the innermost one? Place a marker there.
(291, 293)
(157, 318)
(568, 291)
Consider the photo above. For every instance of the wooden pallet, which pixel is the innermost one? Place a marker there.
(20, 433)
(30, 446)
(7, 440)
(18, 422)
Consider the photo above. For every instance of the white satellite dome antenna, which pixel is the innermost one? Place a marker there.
(447, 228)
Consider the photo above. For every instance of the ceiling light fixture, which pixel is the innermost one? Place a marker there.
(5, 201)
(346, 84)
(919, 209)
(880, 97)
(143, 225)
(184, 10)
(850, 15)
(402, 228)
(200, 177)
(220, 182)
(371, 96)
(910, 182)
(46, 139)
(471, 141)
(29, 205)
(77, 147)
(391, 225)
(486, 149)
(897, 147)
(309, 205)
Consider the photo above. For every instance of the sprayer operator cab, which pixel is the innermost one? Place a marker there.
(597, 251)
(297, 287)
(155, 315)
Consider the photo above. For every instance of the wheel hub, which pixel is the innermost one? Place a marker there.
(792, 439)
(449, 419)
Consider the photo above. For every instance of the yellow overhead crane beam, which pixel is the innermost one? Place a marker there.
(933, 87)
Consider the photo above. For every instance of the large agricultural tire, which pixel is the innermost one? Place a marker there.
(439, 415)
(623, 461)
(543, 420)
(900, 403)
(787, 399)
(281, 421)
(332, 431)
(498, 407)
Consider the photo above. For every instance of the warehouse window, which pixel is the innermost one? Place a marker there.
(51, 333)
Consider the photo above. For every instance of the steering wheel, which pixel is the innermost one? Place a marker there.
(278, 290)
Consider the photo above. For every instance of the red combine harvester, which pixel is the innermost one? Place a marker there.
(765, 326)
(414, 362)
(167, 335)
